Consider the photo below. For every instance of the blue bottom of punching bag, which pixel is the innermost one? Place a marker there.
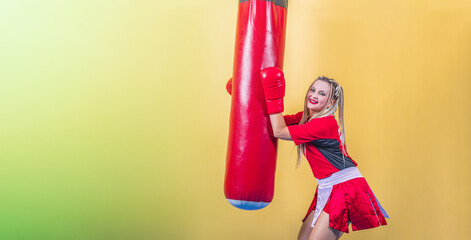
(247, 205)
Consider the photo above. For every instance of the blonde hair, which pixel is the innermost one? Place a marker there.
(335, 96)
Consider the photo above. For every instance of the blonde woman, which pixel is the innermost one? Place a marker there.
(343, 196)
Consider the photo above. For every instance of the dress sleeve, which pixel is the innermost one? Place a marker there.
(293, 119)
(317, 128)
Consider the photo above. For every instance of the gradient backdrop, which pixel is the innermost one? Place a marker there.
(114, 116)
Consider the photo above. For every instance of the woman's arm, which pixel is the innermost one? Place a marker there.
(280, 130)
(273, 82)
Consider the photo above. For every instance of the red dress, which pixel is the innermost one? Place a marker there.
(351, 201)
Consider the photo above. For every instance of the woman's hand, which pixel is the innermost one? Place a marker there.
(273, 82)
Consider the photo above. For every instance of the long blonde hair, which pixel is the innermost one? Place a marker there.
(335, 95)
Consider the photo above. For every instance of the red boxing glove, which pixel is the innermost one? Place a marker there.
(229, 86)
(273, 82)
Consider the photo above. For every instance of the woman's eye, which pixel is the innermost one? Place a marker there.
(312, 90)
(323, 94)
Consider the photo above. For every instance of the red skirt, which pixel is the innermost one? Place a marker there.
(351, 202)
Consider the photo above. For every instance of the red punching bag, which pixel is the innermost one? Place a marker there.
(251, 152)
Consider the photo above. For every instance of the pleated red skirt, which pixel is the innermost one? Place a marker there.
(351, 202)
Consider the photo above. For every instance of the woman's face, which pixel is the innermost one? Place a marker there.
(317, 97)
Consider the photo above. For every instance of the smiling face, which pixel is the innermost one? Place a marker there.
(317, 97)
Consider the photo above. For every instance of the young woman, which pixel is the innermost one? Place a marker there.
(343, 196)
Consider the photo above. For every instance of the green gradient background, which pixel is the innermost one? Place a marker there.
(114, 116)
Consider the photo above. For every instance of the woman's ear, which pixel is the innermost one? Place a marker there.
(331, 103)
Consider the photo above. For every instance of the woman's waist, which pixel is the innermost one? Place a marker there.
(339, 177)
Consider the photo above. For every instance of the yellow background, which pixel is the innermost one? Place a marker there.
(114, 116)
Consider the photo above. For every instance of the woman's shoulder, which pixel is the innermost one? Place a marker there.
(327, 121)
(293, 118)
(328, 118)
